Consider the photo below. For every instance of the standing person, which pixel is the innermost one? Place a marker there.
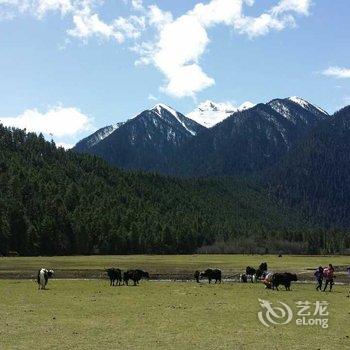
(328, 273)
(319, 278)
(196, 276)
(266, 278)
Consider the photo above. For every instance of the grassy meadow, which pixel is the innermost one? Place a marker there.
(81, 314)
(165, 266)
(89, 314)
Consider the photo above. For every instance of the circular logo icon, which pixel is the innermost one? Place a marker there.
(275, 315)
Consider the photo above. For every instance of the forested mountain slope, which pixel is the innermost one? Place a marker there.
(58, 202)
(315, 176)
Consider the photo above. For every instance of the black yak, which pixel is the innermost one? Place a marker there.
(254, 274)
(261, 270)
(250, 273)
(115, 275)
(135, 276)
(284, 279)
(214, 274)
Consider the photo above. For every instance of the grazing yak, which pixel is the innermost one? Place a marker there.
(43, 277)
(250, 273)
(211, 274)
(135, 276)
(261, 270)
(284, 279)
(254, 274)
(115, 275)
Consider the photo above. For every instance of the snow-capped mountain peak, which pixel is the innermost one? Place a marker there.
(296, 110)
(161, 106)
(163, 111)
(305, 104)
(300, 101)
(209, 113)
(246, 105)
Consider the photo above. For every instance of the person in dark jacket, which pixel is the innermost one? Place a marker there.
(319, 278)
(196, 276)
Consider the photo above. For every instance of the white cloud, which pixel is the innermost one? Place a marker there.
(157, 17)
(180, 45)
(37, 8)
(58, 121)
(218, 11)
(44, 6)
(87, 25)
(337, 72)
(131, 26)
(300, 6)
(181, 42)
(137, 4)
(262, 25)
(186, 80)
(86, 20)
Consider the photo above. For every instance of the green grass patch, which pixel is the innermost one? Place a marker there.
(161, 315)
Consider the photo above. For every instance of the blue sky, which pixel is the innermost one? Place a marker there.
(68, 67)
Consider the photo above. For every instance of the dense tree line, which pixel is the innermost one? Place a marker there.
(58, 202)
(315, 175)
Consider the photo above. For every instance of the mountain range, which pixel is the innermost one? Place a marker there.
(295, 150)
(145, 142)
(214, 140)
(273, 177)
(249, 140)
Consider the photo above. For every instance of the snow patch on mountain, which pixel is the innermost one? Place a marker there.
(286, 108)
(102, 133)
(280, 107)
(108, 130)
(160, 107)
(305, 104)
(209, 113)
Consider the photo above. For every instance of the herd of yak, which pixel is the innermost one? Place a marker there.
(271, 280)
(117, 277)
